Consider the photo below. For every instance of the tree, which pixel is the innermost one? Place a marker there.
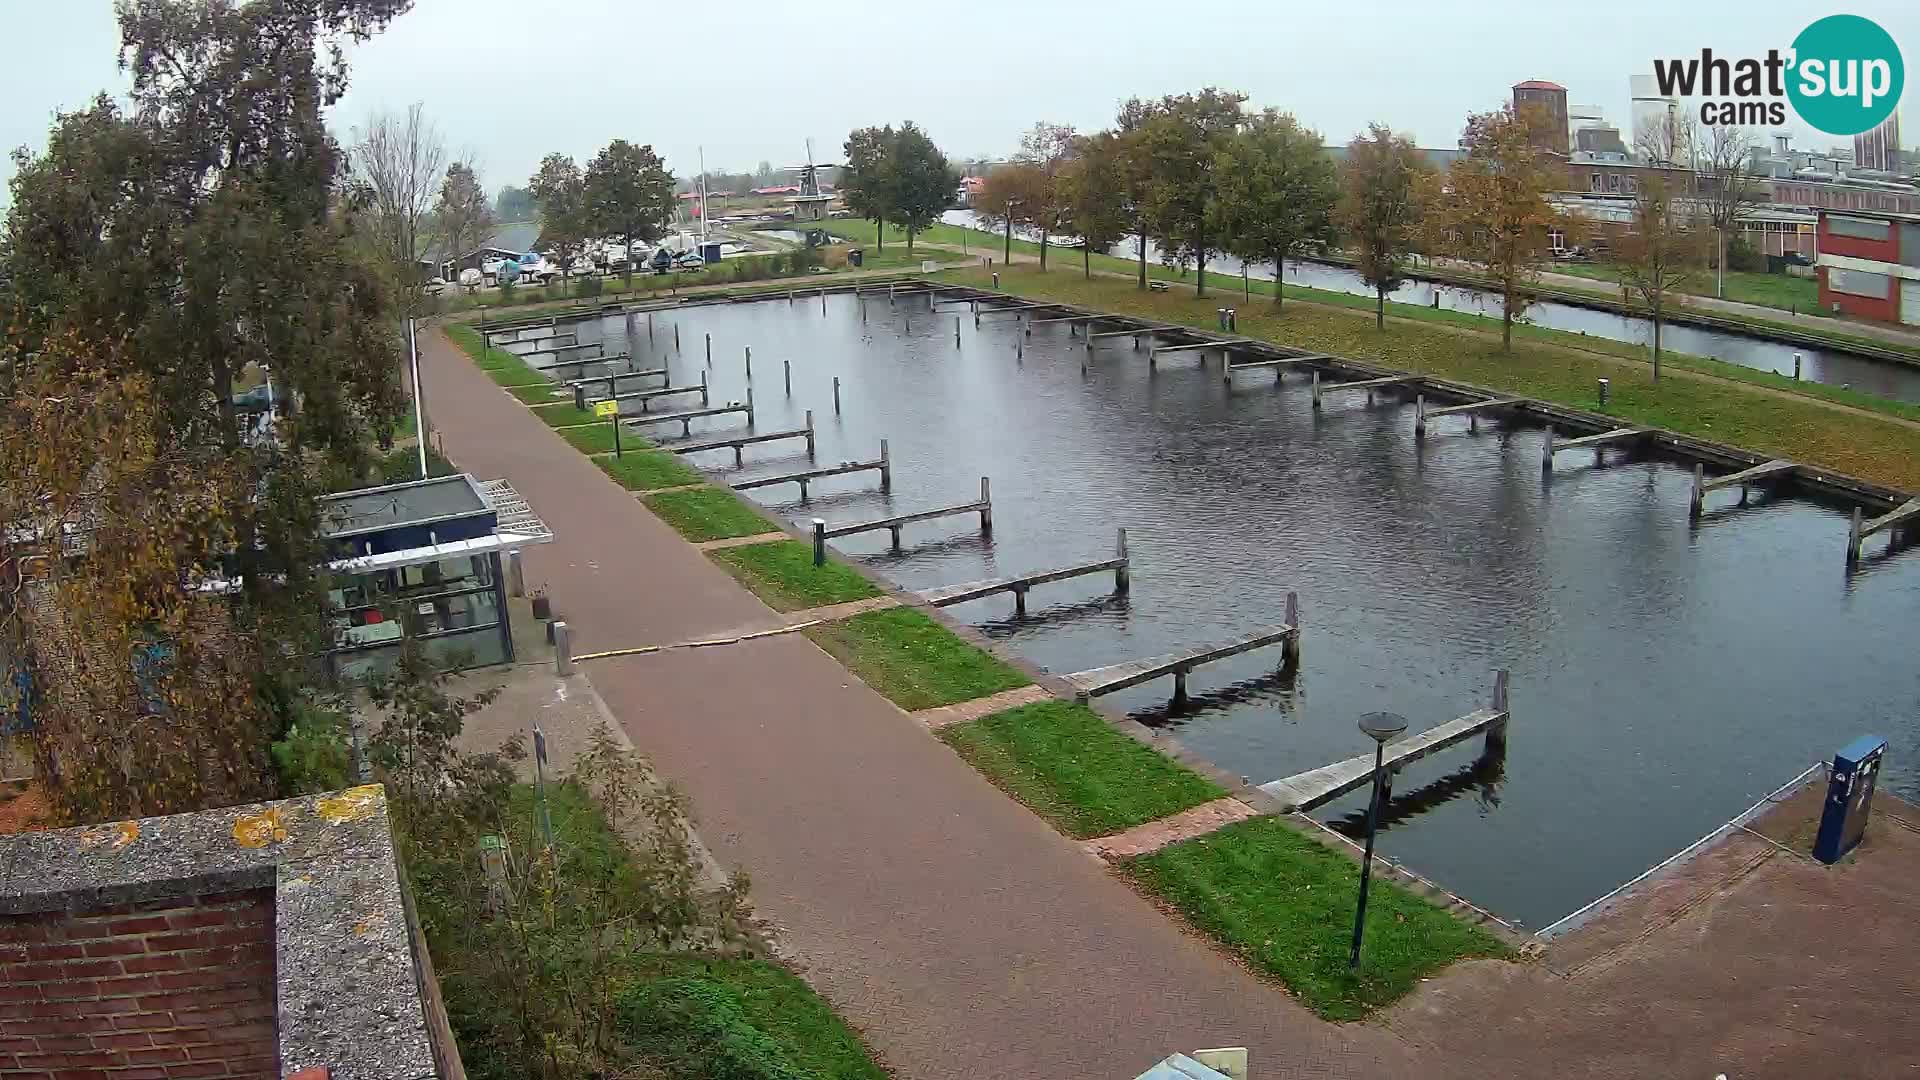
(1381, 209)
(866, 181)
(1047, 152)
(1007, 199)
(629, 194)
(1731, 190)
(178, 246)
(560, 194)
(1495, 209)
(920, 183)
(513, 204)
(398, 160)
(1277, 192)
(464, 217)
(1660, 251)
(1179, 138)
(1095, 193)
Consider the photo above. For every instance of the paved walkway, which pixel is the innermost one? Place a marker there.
(954, 927)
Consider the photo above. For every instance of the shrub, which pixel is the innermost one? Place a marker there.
(1742, 257)
(588, 286)
(507, 290)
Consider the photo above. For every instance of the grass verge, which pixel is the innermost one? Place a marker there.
(708, 514)
(598, 439)
(1072, 768)
(782, 573)
(1285, 903)
(501, 366)
(566, 415)
(1790, 425)
(646, 470)
(914, 660)
(538, 394)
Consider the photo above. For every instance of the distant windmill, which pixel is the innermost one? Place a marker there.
(810, 204)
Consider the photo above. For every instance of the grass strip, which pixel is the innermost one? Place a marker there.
(646, 470)
(1789, 425)
(597, 438)
(913, 660)
(782, 573)
(709, 514)
(1072, 768)
(737, 1019)
(500, 365)
(568, 416)
(1285, 903)
(536, 394)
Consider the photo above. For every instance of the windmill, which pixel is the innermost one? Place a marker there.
(810, 204)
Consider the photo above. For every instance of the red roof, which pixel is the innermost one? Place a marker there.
(1539, 84)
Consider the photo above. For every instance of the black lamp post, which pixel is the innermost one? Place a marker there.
(1380, 727)
(1007, 256)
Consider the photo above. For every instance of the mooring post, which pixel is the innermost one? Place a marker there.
(956, 331)
(1290, 649)
(1179, 686)
(1546, 454)
(1699, 492)
(709, 350)
(1853, 537)
(676, 338)
(1019, 602)
(610, 389)
(562, 648)
(1019, 350)
(786, 369)
(823, 303)
(893, 531)
(809, 434)
(749, 407)
(1419, 415)
(789, 297)
(819, 541)
(580, 396)
(1122, 574)
(1153, 359)
(704, 403)
(886, 469)
(1316, 391)
(836, 395)
(1796, 367)
(986, 507)
(1496, 743)
(649, 327)
(749, 363)
(633, 327)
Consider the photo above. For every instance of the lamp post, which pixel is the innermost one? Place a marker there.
(1007, 256)
(1380, 727)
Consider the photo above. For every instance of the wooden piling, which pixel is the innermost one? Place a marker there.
(1316, 391)
(986, 508)
(786, 368)
(1854, 537)
(819, 541)
(1546, 455)
(956, 331)
(1496, 742)
(709, 350)
(1419, 415)
(1290, 648)
(809, 434)
(1122, 574)
(676, 338)
(886, 469)
(836, 395)
(1699, 495)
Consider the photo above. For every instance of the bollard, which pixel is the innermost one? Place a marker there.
(1605, 385)
(996, 280)
(836, 395)
(516, 574)
(986, 508)
(786, 368)
(886, 469)
(1220, 318)
(1419, 415)
(1233, 322)
(562, 648)
(1699, 492)
(819, 541)
(1122, 574)
(1796, 367)
(580, 397)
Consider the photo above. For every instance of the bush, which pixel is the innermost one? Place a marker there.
(1742, 257)
(696, 1028)
(507, 288)
(588, 286)
(313, 756)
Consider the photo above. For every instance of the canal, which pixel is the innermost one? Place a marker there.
(1664, 676)
(1899, 382)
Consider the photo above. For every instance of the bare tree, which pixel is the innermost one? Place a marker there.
(398, 159)
(1730, 189)
(462, 216)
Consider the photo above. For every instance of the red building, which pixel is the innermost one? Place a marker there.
(1870, 265)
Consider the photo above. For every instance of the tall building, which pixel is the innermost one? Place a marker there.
(1550, 98)
(1659, 123)
(1879, 148)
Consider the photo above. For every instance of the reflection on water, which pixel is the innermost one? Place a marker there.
(1890, 380)
(1664, 676)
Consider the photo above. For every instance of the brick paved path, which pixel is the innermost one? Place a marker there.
(957, 930)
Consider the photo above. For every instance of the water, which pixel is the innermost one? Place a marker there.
(1899, 382)
(1664, 677)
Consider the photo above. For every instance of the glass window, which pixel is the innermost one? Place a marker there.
(1858, 283)
(1859, 228)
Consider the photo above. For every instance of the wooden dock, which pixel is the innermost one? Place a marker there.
(1858, 529)
(1095, 682)
(737, 443)
(1369, 385)
(1598, 442)
(1224, 345)
(1279, 364)
(1472, 409)
(556, 350)
(646, 397)
(1316, 787)
(1070, 320)
(983, 506)
(1701, 485)
(558, 364)
(883, 465)
(593, 380)
(572, 339)
(686, 418)
(948, 595)
(1020, 308)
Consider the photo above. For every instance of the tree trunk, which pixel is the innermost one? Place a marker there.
(910, 232)
(1086, 260)
(1656, 342)
(1379, 308)
(1720, 264)
(1279, 276)
(879, 234)
(1143, 259)
(1043, 249)
(1200, 253)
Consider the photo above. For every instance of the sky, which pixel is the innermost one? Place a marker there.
(508, 82)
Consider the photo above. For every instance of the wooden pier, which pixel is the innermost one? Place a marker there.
(558, 364)
(572, 339)
(1369, 385)
(1153, 354)
(1020, 308)
(646, 397)
(1472, 409)
(1095, 682)
(1316, 787)
(1696, 505)
(983, 506)
(948, 595)
(1859, 529)
(737, 443)
(1070, 320)
(1279, 364)
(1598, 442)
(883, 465)
(594, 380)
(487, 331)
(558, 349)
(686, 418)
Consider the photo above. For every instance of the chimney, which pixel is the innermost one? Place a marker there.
(1780, 144)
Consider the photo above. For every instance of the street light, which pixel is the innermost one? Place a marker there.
(1007, 256)
(1380, 727)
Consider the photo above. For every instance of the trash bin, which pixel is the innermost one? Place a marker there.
(854, 255)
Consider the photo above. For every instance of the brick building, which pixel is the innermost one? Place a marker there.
(1870, 265)
(1551, 99)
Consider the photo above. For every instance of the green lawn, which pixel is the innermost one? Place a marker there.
(914, 660)
(597, 438)
(501, 366)
(646, 470)
(567, 416)
(1285, 903)
(1784, 425)
(782, 573)
(1072, 768)
(537, 394)
(709, 514)
(1783, 291)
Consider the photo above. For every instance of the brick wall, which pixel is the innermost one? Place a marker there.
(174, 989)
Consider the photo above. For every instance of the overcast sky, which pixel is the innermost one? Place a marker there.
(750, 81)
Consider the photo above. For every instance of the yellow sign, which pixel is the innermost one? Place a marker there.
(606, 408)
